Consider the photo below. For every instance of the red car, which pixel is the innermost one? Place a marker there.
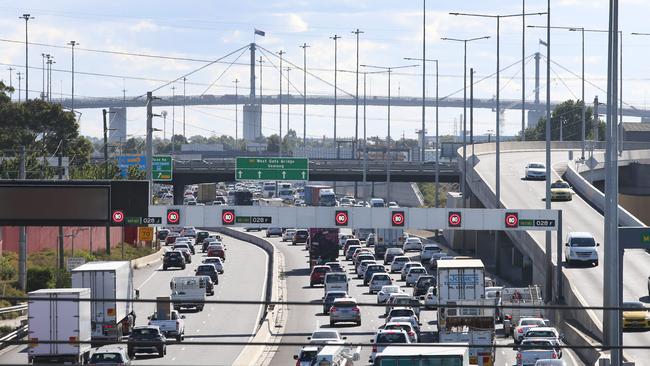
(171, 238)
(317, 276)
(217, 251)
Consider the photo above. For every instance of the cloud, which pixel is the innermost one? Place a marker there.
(144, 26)
(296, 23)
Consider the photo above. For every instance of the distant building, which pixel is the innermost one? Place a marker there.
(116, 126)
(186, 148)
(636, 132)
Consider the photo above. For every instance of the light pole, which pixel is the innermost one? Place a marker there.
(288, 96)
(280, 102)
(335, 38)
(584, 105)
(27, 17)
(389, 70)
(173, 116)
(43, 56)
(236, 82)
(19, 82)
(49, 62)
(356, 101)
(164, 116)
(72, 44)
(304, 94)
(464, 41)
(184, 102)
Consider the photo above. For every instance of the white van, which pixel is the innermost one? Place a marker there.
(581, 247)
(377, 202)
(336, 281)
(338, 355)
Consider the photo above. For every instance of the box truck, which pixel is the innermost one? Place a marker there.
(323, 245)
(109, 281)
(312, 194)
(57, 315)
(461, 279)
(207, 192)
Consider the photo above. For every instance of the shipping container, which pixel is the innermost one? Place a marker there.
(312, 194)
(111, 319)
(58, 315)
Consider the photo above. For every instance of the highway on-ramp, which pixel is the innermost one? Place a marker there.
(244, 279)
(577, 215)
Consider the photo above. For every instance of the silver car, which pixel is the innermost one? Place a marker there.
(345, 310)
(378, 281)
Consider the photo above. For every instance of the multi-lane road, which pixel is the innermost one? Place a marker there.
(244, 279)
(302, 320)
(577, 215)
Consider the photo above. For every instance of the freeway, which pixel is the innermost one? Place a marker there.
(578, 215)
(213, 323)
(304, 319)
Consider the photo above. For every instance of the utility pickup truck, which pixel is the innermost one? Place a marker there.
(172, 325)
(187, 293)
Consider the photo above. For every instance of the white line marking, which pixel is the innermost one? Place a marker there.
(150, 277)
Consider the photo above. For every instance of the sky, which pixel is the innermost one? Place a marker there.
(210, 30)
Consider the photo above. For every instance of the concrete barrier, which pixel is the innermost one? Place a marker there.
(148, 259)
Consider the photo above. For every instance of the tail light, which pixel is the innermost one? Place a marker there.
(554, 355)
(356, 309)
(508, 317)
(519, 355)
(177, 325)
(411, 334)
(332, 309)
(520, 330)
(374, 348)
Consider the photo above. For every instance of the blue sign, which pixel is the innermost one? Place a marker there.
(125, 161)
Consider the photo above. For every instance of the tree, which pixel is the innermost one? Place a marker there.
(567, 114)
(273, 143)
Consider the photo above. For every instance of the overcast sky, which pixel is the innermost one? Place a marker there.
(209, 30)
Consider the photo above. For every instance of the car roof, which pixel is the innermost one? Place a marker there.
(345, 299)
(580, 234)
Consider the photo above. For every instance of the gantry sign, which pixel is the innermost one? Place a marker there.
(360, 217)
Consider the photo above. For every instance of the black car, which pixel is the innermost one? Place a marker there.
(146, 339)
(185, 245)
(329, 297)
(422, 285)
(208, 270)
(200, 236)
(301, 236)
(162, 234)
(173, 259)
(372, 269)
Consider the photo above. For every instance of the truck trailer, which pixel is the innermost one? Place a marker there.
(110, 281)
(323, 245)
(55, 315)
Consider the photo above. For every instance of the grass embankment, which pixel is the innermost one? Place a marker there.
(43, 271)
(428, 190)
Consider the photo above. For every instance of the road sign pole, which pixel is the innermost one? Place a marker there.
(559, 295)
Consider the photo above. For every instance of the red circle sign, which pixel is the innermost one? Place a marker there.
(454, 219)
(118, 216)
(228, 217)
(512, 220)
(398, 218)
(172, 217)
(341, 218)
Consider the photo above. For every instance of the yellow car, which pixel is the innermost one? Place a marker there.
(635, 316)
(561, 191)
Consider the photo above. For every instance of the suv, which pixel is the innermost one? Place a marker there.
(581, 247)
(273, 231)
(345, 310)
(428, 251)
(384, 337)
(329, 298)
(146, 339)
(200, 236)
(184, 245)
(208, 270)
(301, 236)
(317, 276)
(422, 285)
(391, 253)
(173, 259)
(110, 355)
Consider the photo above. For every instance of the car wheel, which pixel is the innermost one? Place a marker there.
(311, 284)
(161, 352)
(332, 323)
(131, 354)
(183, 266)
(359, 323)
(164, 268)
(179, 338)
(596, 263)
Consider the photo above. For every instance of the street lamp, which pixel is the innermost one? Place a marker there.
(335, 38)
(304, 94)
(356, 102)
(164, 116)
(584, 105)
(464, 41)
(280, 102)
(27, 17)
(389, 70)
(72, 44)
(236, 82)
(424, 61)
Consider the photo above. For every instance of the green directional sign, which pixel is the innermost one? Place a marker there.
(634, 237)
(266, 168)
(161, 167)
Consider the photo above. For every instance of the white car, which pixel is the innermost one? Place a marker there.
(378, 281)
(326, 336)
(413, 274)
(393, 204)
(534, 349)
(412, 243)
(428, 250)
(523, 326)
(398, 263)
(216, 261)
(405, 326)
(288, 234)
(384, 337)
(407, 267)
(535, 171)
(361, 269)
(386, 291)
(430, 299)
(581, 247)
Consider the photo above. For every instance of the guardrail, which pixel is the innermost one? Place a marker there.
(16, 334)
(12, 309)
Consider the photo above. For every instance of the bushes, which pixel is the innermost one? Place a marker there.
(38, 278)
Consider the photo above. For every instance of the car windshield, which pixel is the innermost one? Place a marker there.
(537, 342)
(560, 185)
(633, 305)
(324, 335)
(532, 322)
(308, 355)
(209, 268)
(402, 312)
(381, 277)
(336, 278)
(406, 327)
(583, 242)
(391, 338)
(540, 334)
(106, 358)
(345, 304)
(145, 332)
(536, 166)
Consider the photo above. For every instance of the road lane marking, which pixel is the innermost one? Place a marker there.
(150, 276)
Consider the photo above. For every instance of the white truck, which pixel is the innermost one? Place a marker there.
(187, 292)
(53, 320)
(460, 279)
(472, 325)
(170, 322)
(517, 296)
(113, 316)
(387, 238)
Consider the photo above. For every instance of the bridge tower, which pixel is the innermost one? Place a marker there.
(253, 109)
(533, 114)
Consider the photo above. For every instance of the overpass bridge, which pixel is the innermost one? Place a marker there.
(188, 172)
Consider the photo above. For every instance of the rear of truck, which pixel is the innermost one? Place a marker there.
(323, 245)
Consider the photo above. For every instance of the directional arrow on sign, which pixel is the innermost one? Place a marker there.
(284, 174)
(303, 174)
(259, 174)
(240, 173)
